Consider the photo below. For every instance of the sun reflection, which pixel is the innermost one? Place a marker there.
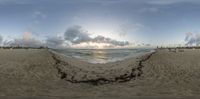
(100, 55)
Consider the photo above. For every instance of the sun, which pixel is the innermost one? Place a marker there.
(99, 46)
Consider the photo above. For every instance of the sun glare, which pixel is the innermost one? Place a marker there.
(99, 45)
(93, 45)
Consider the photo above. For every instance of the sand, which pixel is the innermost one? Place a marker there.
(77, 71)
(41, 73)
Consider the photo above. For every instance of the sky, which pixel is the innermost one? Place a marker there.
(99, 23)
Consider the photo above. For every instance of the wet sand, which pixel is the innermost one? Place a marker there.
(41, 73)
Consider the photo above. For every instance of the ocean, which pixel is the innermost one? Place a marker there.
(103, 55)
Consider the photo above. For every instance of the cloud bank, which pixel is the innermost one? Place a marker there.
(77, 35)
(32, 42)
(74, 36)
(55, 42)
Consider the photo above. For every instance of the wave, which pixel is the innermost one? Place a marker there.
(103, 55)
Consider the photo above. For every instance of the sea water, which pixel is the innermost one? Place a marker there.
(103, 55)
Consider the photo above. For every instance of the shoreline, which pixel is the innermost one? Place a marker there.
(35, 72)
(95, 60)
(135, 71)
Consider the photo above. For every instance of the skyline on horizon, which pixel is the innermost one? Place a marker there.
(99, 24)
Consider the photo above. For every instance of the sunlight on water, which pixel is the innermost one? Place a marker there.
(103, 55)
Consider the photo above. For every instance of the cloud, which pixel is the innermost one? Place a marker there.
(102, 39)
(192, 39)
(1, 39)
(51, 42)
(55, 42)
(167, 2)
(106, 2)
(188, 36)
(39, 14)
(126, 27)
(22, 2)
(149, 9)
(77, 35)
(32, 42)
(151, 2)
(74, 36)
(102, 2)
(147, 44)
(27, 40)
(143, 44)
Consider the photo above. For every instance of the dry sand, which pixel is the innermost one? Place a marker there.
(38, 72)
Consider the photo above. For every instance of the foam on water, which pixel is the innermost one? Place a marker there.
(103, 55)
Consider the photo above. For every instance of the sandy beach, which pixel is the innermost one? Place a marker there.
(40, 72)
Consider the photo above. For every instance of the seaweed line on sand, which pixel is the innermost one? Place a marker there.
(135, 72)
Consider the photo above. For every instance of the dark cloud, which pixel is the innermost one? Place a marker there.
(77, 35)
(54, 42)
(147, 44)
(192, 39)
(102, 39)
